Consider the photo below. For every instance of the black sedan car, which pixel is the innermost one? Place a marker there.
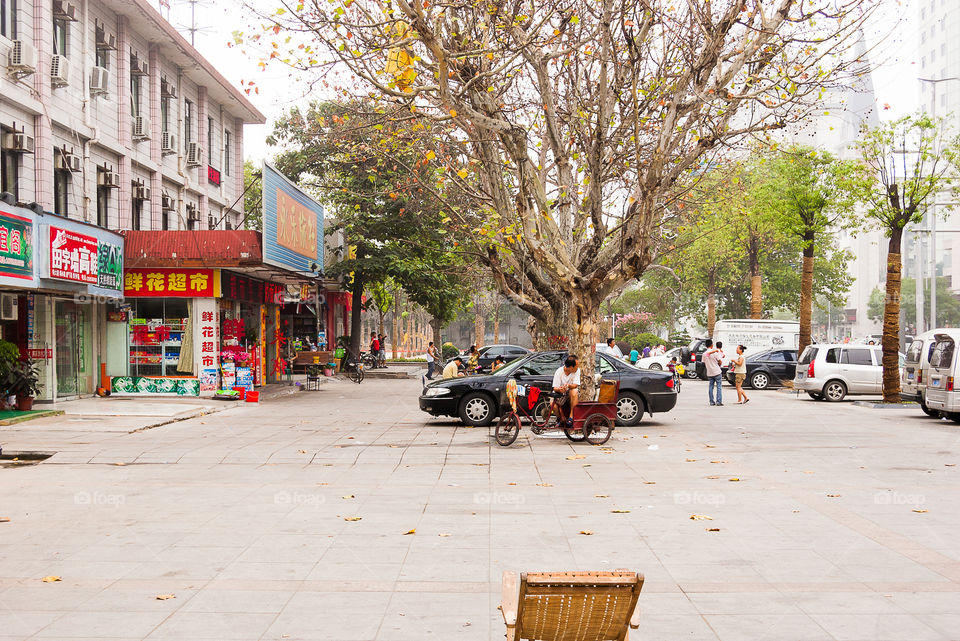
(476, 399)
(768, 368)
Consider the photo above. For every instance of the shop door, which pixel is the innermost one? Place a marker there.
(67, 348)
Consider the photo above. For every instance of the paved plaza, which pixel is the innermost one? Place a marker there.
(347, 514)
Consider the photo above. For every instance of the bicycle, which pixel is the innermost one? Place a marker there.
(591, 421)
(353, 366)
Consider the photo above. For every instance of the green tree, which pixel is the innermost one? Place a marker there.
(908, 162)
(948, 307)
(253, 197)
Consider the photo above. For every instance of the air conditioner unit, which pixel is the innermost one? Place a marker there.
(22, 58)
(193, 213)
(60, 71)
(63, 10)
(168, 143)
(194, 154)
(141, 192)
(167, 202)
(108, 179)
(8, 307)
(167, 88)
(67, 161)
(141, 128)
(19, 143)
(99, 81)
(139, 67)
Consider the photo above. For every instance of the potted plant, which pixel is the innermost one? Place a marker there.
(24, 384)
(9, 358)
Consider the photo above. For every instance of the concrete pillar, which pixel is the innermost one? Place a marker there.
(202, 169)
(125, 124)
(43, 158)
(156, 156)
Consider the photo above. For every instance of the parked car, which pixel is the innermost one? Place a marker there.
(769, 368)
(476, 399)
(659, 362)
(916, 368)
(755, 335)
(831, 372)
(942, 393)
(488, 353)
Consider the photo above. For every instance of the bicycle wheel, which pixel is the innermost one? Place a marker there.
(508, 428)
(357, 374)
(574, 434)
(597, 429)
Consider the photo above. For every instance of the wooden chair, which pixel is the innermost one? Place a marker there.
(571, 606)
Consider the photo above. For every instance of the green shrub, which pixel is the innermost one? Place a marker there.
(449, 351)
(637, 341)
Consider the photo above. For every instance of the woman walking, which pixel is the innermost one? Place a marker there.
(739, 365)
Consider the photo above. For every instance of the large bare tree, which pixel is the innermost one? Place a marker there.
(575, 123)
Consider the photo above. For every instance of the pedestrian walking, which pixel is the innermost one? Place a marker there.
(646, 351)
(739, 366)
(431, 360)
(634, 356)
(712, 358)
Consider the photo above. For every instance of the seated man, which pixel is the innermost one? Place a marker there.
(452, 370)
(566, 381)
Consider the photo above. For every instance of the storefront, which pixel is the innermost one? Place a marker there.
(59, 280)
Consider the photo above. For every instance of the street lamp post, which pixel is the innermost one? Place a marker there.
(933, 220)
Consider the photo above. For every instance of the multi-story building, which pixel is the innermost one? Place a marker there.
(110, 122)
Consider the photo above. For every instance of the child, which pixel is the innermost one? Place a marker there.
(672, 365)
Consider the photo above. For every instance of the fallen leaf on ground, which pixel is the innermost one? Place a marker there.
(511, 483)
(164, 597)
(833, 496)
(807, 472)
(705, 445)
(50, 579)
(586, 532)
(700, 517)
(691, 460)
(480, 464)
(4, 519)
(601, 496)
(352, 518)
(301, 451)
(949, 464)
(444, 534)
(649, 482)
(620, 511)
(713, 529)
(724, 461)
(576, 457)
(120, 464)
(734, 479)
(413, 531)
(921, 511)
(713, 477)
(544, 484)
(796, 511)
(348, 496)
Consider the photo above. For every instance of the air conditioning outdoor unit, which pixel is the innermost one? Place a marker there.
(67, 161)
(168, 143)
(108, 179)
(99, 81)
(141, 128)
(60, 71)
(22, 58)
(141, 192)
(19, 142)
(139, 67)
(194, 154)
(63, 10)
(167, 202)
(167, 89)
(193, 213)
(8, 307)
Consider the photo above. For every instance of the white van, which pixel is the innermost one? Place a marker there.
(916, 367)
(757, 335)
(943, 385)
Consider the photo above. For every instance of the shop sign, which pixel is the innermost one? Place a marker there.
(109, 265)
(16, 246)
(213, 175)
(41, 353)
(249, 290)
(73, 256)
(207, 343)
(176, 283)
(292, 225)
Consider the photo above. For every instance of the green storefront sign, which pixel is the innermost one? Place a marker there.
(109, 265)
(16, 246)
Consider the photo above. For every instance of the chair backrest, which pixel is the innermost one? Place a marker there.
(608, 391)
(577, 606)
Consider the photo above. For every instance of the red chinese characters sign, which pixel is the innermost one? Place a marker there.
(176, 283)
(296, 226)
(73, 256)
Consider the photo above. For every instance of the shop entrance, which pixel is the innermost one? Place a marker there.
(68, 330)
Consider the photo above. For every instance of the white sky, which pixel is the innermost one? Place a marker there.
(894, 79)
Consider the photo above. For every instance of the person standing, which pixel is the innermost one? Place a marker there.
(473, 360)
(431, 360)
(634, 356)
(613, 350)
(739, 366)
(374, 347)
(712, 358)
(646, 351)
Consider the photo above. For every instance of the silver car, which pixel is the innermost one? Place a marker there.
(830, 372)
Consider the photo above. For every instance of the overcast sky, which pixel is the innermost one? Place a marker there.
(895, 79)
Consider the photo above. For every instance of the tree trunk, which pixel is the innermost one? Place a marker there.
(711, 305)
(355, 319)
(806, 291)
(891, 321)
(382, 313)
(756, 284)
(573, 329)
(479, 327)
(435, 326)
(395, 326)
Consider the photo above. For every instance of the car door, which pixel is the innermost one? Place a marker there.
(856, 366)
(539, 370)
(605, 368)
(789, 366)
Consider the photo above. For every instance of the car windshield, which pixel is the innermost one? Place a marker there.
(759, 356)
(913, 354)
(943, 353)
(510, 367)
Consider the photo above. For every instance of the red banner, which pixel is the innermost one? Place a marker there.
(175, 283)
(73, 256)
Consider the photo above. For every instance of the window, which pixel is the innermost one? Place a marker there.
(165, 220)
(10, 172)
(164, 114)
(210, 145)
(187, 121)
(833, 355)
(135, 95)
(227, 148)
(60, 28)
(603, 365)
(775, 356)
(913, 354)
(808, 356)
(137, 212)
(61, 188)
(103, 58)
(8, 18)
(545, 365)
(856, 357)
(103, 206)
(191, 224)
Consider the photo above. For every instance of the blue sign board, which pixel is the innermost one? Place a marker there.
(292, 225)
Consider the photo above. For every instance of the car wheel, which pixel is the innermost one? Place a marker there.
(760, 380)
(656, 366)
(926, 410)
(630, 409)
(834, 391)
(953, 416)
(691, 374)
(477, 409)
(815, 396)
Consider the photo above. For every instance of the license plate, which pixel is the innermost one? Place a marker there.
(800, 376)
(909, 376)
(935, 382)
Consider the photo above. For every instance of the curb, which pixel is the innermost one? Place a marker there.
(886, 406)
(30, 417)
